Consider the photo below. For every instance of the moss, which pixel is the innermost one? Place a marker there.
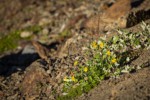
(9, 42)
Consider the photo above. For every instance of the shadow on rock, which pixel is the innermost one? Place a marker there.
(136, 3)
(17, 61)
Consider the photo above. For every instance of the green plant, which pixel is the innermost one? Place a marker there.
(109, 59)
(9, 42)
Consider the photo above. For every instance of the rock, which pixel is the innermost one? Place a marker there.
(25, 34)
(27, 55)
(137, 17)
(41, 50)
(28, 50)
(114, 17)
(34, 79)
(67, 49)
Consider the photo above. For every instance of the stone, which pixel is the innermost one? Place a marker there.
(113, 17)
(29, 49)
(25, 34)
(34, 78)
(27, 55)
(41, 50)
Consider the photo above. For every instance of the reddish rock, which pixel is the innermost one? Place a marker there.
(34, 79)
(114, 17)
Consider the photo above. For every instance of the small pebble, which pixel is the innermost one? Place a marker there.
(25, 34)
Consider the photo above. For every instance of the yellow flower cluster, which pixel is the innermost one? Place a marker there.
(69, 79)
(94, 45)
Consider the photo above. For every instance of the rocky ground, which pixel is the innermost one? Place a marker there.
(56, 33)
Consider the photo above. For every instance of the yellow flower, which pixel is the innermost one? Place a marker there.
(65, 79)
(114, 60)
(108, 53)
(85, 69)
(101, 44)
(75, 63)
(94, 45)
(73, 78)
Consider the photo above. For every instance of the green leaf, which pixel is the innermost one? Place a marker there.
(115, 39)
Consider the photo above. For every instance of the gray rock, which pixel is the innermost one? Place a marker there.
(28, 55)
(28, 50)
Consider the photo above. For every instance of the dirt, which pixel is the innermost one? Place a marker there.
(37, 66)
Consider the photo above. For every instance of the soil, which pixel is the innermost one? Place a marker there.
(64, 29)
